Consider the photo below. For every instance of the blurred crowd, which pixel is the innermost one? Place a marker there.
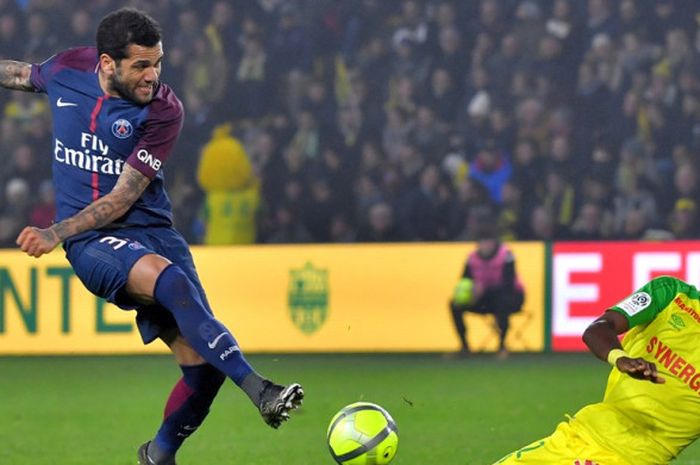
(398, 120)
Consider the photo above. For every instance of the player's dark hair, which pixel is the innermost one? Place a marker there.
(123, 27)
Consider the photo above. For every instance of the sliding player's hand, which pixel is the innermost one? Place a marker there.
(36, 242)
(639, 368)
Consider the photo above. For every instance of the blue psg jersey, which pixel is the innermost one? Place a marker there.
(95, 134)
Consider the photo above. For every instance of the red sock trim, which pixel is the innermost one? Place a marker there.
(181, 392)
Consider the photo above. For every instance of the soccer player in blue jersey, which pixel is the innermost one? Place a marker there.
(115, 125)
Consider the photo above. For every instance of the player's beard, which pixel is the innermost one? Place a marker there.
(127, 93)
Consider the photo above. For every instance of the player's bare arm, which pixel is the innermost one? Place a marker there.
(601, 338)
(129, 187)
(15, 75)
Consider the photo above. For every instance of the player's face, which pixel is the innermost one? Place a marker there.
(487, 247)
(136, 76)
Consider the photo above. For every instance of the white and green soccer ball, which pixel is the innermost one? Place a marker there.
(363, 434)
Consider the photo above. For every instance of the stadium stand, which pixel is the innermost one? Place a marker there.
(371, 120)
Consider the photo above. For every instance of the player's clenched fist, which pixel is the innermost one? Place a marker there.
(639, 368)
(36, 242)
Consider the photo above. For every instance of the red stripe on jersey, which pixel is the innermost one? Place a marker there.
(95, 186)
(93, 128)
(95, 112)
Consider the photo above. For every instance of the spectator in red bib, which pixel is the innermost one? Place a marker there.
(489, 285)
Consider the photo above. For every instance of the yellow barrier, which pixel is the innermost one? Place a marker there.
(278, 298)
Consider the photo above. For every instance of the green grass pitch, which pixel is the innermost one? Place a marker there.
(97, 410)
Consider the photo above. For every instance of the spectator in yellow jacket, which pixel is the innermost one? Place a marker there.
(232, 190)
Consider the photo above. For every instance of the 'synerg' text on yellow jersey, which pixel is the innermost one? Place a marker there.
(643, 422)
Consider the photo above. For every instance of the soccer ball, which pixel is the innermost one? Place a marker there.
(363, 434)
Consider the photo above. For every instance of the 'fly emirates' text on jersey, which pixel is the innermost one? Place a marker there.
(647, 423)
(95, 135)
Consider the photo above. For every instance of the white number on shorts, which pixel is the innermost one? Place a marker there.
(115, 242)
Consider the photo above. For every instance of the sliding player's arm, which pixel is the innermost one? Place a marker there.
(15, 75)
(103, 211)
(601, 338)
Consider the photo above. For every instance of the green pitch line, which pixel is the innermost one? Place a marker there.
(92, 410)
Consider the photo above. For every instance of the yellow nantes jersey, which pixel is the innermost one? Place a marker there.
(643, 422)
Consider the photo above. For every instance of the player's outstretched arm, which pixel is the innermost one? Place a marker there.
(100, 213)
(15, 75)
(601, 339)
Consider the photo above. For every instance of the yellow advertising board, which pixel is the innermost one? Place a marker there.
(318, 298)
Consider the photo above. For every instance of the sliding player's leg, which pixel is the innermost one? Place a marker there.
(564, 447)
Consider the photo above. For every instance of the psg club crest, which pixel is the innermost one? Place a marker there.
(308, 297)
(136, 245)
(122, 129)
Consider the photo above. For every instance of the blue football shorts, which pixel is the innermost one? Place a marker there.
(102, 261)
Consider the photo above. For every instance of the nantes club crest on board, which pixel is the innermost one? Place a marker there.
(308, 297)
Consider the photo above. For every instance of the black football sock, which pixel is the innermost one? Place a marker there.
(252, 385)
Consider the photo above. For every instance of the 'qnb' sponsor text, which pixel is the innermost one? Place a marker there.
(148, 159)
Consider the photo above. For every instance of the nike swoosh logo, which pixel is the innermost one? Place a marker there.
(60, 103)
(216, 340)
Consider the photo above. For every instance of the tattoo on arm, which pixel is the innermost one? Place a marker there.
(15, 75)
(103, 211)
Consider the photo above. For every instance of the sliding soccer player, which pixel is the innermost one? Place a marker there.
(650, 410)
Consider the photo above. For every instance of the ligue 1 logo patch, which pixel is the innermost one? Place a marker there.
(635, 303)
(122, 129)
